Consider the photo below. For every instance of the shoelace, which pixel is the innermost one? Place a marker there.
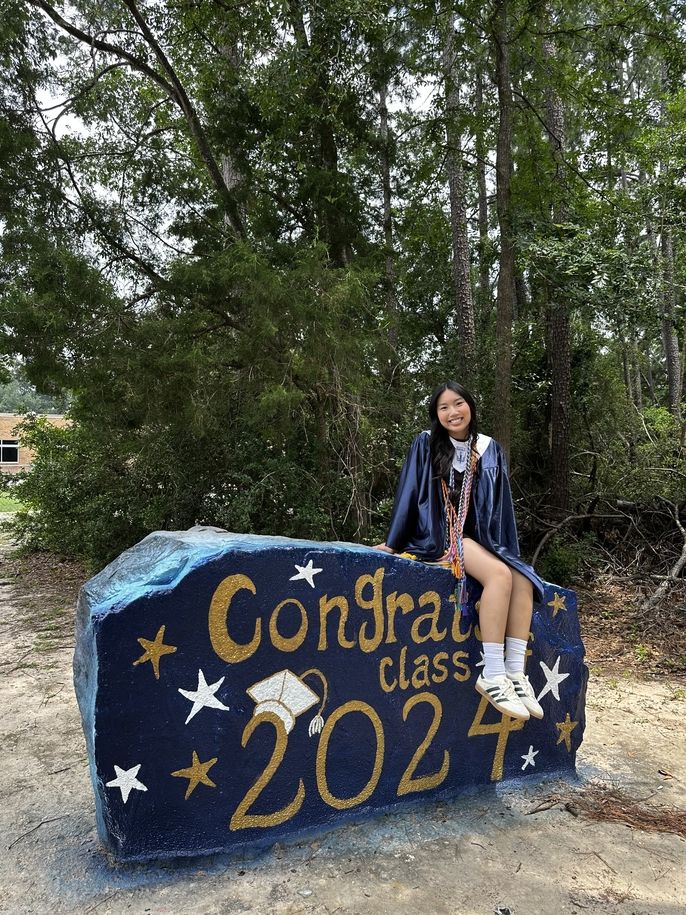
(508, 690)
(524, 683)
(511, 692)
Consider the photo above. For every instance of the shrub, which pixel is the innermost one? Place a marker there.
(561, 561)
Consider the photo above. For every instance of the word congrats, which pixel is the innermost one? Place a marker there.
(238, 689)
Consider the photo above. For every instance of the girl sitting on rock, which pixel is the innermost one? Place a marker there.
(453, 505)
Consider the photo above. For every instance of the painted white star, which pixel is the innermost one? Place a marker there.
(553, 678)
(529, 758)
(482, 662)
(306, 573)
(126, 781)
(203, 696)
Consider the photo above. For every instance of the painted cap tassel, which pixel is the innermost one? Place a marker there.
(317, 722)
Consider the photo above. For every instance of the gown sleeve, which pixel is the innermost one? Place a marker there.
(503, 524)
(404, 516)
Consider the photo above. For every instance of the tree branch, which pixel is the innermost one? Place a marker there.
(557, 140)
(134, 62)
(171, 85)
(192, 118)
(84, 207)
(551, 533)
(85, 88)
(676, 569)
(298, 25)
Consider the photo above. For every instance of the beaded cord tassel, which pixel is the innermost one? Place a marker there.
(455, 521)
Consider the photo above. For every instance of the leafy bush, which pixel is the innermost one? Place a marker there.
(91, 495)
(561, 562)
(77, 497)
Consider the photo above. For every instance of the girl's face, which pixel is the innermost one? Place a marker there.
(454, 414)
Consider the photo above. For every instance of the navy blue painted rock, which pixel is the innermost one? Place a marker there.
(238, 689)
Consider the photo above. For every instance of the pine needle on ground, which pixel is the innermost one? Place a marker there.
(598, 801)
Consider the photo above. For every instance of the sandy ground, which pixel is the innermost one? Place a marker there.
(473, 856)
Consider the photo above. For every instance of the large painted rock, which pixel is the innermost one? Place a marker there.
(239, 689)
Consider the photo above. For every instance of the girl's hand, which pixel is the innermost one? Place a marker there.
(383, 548)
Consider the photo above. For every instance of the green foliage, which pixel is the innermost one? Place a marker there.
(562, 559)
(17, 395)
(656, 464)
(77, 500)
(206, 278)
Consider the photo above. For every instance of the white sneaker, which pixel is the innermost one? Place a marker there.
(525, 694)
(500, 692)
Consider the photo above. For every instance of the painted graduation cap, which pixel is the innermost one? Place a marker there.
(287, 696)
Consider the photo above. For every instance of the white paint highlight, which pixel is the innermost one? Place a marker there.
(126, 781)
(203, 696)
(305, 573)
(553, 678)
(529, 757)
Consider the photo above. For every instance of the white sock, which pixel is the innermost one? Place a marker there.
(494, 659)
(516, 655)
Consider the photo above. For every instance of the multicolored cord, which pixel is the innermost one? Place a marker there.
(455, 522)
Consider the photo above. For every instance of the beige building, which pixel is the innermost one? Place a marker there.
(13, 455)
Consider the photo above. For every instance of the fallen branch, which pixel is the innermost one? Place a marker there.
(674, 572)
(546, 804)
(551, 533)
(25, 655)
(599, 857)
(100, 902)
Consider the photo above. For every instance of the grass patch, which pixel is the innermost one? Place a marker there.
(8, 504)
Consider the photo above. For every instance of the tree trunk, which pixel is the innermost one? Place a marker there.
(670, 341)
(505, 294)
(663, 255)
(233, 177)
(609, 167)
(521, 297)
(318, 51)
(560, 342)
(626, 369)
(390, 268)
(484, 294)
(461, 274)
(638, 388)
(649, 373)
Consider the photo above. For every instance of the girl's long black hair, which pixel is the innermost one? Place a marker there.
(441, 448)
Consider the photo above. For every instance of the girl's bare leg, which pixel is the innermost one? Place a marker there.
(496, 578)
(497, 581)
(521, 607)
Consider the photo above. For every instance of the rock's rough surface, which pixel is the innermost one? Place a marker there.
(237, 689)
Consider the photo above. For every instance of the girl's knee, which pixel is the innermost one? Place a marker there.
(501, 575)
(521, 584)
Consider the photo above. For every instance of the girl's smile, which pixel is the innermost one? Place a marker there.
(454, 414)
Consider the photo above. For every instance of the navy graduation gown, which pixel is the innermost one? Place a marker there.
(418, 519)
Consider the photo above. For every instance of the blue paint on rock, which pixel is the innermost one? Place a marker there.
(401, 719)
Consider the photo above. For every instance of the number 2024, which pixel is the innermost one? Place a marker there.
(244, 819)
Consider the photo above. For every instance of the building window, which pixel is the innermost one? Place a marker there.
(9, 451)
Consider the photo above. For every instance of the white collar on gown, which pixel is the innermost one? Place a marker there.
(461, 451)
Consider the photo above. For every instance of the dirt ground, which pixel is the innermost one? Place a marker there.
(527, 849)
